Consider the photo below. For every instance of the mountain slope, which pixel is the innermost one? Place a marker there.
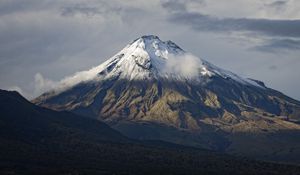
(35, 140)
(20, 118)
(182, 98)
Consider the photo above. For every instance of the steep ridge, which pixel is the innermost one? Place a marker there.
(153, 89)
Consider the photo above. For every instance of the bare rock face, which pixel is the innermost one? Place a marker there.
(155, 90)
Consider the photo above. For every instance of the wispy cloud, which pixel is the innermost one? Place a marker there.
(279, 45)
(201, 22)
(43, 84)
(90, 10)
(277, 5)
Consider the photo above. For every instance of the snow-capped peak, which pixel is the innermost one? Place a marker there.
(148, 57)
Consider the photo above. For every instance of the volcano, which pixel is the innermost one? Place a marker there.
(153, 89)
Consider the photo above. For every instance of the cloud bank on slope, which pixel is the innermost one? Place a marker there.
(185, 65)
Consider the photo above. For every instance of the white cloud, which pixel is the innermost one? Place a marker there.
(16, 88)
(43, 84)
(186, 65)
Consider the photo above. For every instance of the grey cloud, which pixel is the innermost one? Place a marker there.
(179, 5)
(89, 10)
(273, 67)
(41, 36)
(279, 45)
(278, 5)
(265, 28)
(201, 22)
(173, 5)
(10, 7)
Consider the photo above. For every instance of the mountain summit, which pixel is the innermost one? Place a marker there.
(153, 89)
(149, 58)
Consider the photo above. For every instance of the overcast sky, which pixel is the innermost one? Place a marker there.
(43, 41)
